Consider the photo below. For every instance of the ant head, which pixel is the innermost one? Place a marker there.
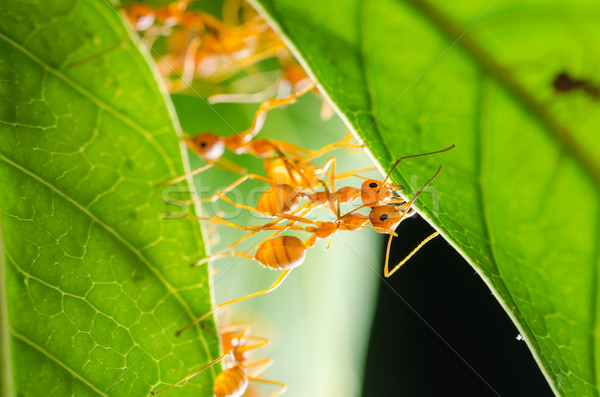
(234, 343)
(386, 217)
(141, 16)
(232, 340)
(374, 192)
(207, 145)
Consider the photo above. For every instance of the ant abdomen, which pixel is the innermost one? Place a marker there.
(279, 199)
(232, 382)
(281, 253)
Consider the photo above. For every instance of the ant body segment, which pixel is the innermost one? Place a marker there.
(233, 381)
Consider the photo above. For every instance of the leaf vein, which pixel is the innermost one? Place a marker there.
(109, 229)
(46, 353)
(101, 104)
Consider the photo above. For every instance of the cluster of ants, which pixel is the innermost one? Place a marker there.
(200, 45)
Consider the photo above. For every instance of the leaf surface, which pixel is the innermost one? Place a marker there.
(519, 196)
(94, 282)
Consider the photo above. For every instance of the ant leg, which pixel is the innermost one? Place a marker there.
(229, 165)
(190, 376)
(257, 97)
(302, 211)
(261, 114)
(209, 330)
(332, 177)
(277, 102)
(186, 175)
(330, 201)
(273, 286)
(220, 194)
(261, 342)
(260, 228)
(259, 56)
(243, 328)
(332, 146)
(330, 163)
(353, 173)
(388, 273)
(267, 213)
(231, 254)
(263, 364)
(189, 66)
(222, 253)
(292, 166)
(291, 149)
(279, 392)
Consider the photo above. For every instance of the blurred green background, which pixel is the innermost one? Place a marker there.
(318, 321)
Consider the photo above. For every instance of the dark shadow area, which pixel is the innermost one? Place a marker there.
(407, 358)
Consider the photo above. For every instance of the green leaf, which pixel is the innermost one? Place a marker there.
(94, 283)
(518, 197)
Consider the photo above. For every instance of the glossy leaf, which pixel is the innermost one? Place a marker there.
(94, 282)
(518, 197)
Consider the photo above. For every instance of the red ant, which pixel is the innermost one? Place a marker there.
(287, 252)
(233, 382)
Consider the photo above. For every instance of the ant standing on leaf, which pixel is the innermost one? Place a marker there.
(233, 381)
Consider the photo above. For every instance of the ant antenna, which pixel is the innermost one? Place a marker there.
(410, 203)
(407, 157)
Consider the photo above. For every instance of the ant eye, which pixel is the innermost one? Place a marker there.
(383, 217)
(372, 185)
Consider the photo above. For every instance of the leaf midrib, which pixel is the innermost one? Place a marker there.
(364, 41)
(519, 93)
